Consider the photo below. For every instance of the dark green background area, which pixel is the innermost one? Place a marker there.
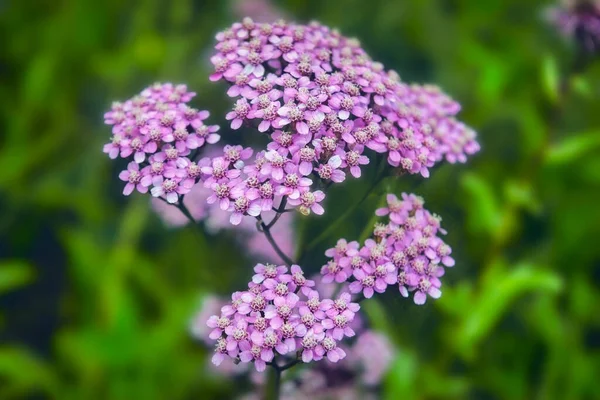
(96, 294)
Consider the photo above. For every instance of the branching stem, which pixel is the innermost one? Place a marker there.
(266, 229)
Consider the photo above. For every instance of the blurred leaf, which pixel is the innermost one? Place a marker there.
(401, 382)
(377, 315)
(457, 298)
(581, 85)
(483, 210)
(573, 147)
(521, 193)
(23, 374)
(149, 50)
(14, 274)
(441, 385)
(544, 317)
(550, 78)
(495, 299)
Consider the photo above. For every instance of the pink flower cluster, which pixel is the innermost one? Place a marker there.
(318, 96)
(280, 313)
(323, 101)
(369, 355)
(406, 251)
(255, 188)
(160, 133)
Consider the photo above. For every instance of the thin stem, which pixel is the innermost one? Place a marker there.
(274, 220)
(289, 365)
(273, 388)
(277, 383)
(280, 212)
(334, 225)
(181, 208)
(274, 384)
(262, 227)
(186, 212)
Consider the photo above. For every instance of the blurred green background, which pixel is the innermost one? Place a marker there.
(96, 294)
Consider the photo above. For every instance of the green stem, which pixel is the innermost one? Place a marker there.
(273, 387)
(342, 218)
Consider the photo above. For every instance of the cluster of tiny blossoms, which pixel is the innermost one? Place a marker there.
(280, 313)
(160, 134)
(406, 252)
(369, 356)
(322, 102)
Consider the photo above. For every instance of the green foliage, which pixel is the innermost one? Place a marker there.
(14, 274)
(96, 294)
(573, 147)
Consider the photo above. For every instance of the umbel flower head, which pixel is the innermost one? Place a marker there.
(323, 102)
(369, 356)
(280, 313)
(406, 252)
(160, 133)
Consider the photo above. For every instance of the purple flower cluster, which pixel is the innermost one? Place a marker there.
(406, 251)
(255, 188)
(323, 102)
(579, 20)
(280, 313)
(369, 355)
(160, 133)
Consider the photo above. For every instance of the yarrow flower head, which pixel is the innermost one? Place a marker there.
(363, 364)
(281, 314)
(160, 133)
(406, 251)
(323, 102)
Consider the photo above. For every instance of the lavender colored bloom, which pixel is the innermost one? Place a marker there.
(329, 348)
(281, 313)
(293, 183)
(322, 102)
(133, 177)
(171, 189)
(364, 283)
(281, 309)
(245, 204)
(333, 271)
(406, 251)
(268, 271)
(309, 201)
(158, 131)
(330, 170)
